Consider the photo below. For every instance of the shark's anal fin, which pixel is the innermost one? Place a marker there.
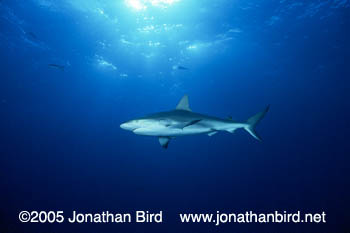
(212, 133)
(231, 130)
(185, 124)
(183, 104)
(164, 141)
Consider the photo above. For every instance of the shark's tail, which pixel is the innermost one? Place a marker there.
(253, 121)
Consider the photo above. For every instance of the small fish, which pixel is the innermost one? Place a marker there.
(32, 35)
(57, 66)
(180, 68)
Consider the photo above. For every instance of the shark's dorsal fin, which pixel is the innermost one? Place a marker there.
(184, 104)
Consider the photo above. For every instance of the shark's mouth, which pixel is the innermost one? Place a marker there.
(143, 131)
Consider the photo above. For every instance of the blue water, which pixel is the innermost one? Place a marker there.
(61, 147)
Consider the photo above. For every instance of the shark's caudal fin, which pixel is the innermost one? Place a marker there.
(253, 121)
(184, 104)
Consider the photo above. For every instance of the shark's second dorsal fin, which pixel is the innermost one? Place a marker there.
(183, 104)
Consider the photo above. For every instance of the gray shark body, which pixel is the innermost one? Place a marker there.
(182, 121)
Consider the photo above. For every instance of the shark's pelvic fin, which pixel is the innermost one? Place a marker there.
(212, 133)
(164, 141)
(184, 104)
(253, 121)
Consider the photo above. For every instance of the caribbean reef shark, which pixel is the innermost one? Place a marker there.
(182, 121)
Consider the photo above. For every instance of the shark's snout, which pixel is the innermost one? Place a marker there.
(124, 126)
(129, 125)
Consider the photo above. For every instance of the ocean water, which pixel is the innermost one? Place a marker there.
(72, 71)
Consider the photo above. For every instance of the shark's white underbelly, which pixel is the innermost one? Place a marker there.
(171, 132)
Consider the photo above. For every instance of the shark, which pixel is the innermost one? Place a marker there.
(183, 121)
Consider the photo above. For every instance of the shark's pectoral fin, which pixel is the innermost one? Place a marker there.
(185, 124)
(164, 141)
(192, 122)
(212, 133)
